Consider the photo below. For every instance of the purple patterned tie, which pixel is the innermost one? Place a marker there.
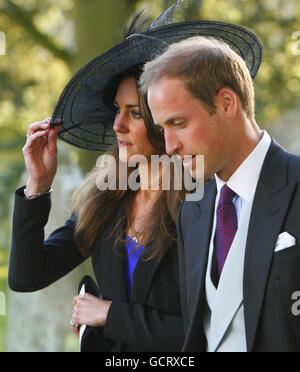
(226, 226)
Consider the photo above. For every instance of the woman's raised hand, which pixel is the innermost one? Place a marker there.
(40, 154)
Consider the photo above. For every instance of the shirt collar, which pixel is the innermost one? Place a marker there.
(244, 180)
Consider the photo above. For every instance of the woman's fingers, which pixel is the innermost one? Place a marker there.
(78, 298)
(44, 136)
(43, 129)
(38, 126)
(76, 331)
(52, 139)
(33, 137)
(90, 310)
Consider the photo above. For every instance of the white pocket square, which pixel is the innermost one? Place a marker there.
(285, 240)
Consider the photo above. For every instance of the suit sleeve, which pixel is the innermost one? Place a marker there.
(35, 263)
(140, 325)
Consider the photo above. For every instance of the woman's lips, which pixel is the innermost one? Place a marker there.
(124, 144)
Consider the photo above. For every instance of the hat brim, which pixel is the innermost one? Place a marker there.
(87, 120)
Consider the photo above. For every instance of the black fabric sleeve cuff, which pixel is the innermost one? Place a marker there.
(20, 194)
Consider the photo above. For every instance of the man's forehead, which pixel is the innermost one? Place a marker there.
(167, 90)
(166, 81)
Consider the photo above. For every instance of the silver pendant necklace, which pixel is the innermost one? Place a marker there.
(135, 239)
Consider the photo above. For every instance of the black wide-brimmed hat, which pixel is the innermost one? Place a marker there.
(87, 119)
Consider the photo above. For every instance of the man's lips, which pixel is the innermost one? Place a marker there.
(187, 160)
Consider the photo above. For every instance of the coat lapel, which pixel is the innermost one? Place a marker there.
(113, 275)
(146, 270)
(197, 232)
(270, 206)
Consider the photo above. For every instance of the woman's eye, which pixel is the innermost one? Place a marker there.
(136, 114)
(116, 109)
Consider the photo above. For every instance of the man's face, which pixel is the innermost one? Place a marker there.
(189, 128)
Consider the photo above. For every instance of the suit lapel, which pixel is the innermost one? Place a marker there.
(197, 233)
(270, 206)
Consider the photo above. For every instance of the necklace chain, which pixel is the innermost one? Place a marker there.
(135, 238)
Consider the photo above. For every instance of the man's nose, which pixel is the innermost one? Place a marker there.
(121, 124)
(172, 142)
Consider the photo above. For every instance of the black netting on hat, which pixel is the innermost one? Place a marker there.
(88, 120)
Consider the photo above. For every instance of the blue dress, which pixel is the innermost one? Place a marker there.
(133, 256)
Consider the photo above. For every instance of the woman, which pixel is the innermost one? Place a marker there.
(115, 227)
(130, 235)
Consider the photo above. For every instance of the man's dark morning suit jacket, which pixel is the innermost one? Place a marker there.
(270, 279)
(151, 321)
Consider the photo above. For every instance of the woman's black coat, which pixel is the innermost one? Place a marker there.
(151, 321)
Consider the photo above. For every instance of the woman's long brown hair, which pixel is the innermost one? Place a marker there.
(94, 209)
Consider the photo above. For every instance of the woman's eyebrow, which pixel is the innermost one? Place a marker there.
(131, 106)
(128, 106)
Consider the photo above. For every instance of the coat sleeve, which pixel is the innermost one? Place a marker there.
(36, 263)
(141, 325)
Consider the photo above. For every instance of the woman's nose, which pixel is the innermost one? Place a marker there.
(121, 124)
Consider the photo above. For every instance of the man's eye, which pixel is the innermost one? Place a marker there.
(179, 124)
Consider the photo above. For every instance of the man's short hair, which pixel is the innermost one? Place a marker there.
(205, 65)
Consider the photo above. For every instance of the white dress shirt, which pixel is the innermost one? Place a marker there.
(244, 180)
(224, 322)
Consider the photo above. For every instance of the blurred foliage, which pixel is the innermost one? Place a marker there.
(3, 285)
(48, 40)
(274, 21)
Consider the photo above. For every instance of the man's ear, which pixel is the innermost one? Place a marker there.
(226, 100)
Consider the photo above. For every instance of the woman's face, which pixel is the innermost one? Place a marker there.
(129, 125)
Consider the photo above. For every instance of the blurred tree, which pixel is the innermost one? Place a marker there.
(95, 29)
(274, 21)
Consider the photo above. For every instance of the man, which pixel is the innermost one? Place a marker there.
(239, 247)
